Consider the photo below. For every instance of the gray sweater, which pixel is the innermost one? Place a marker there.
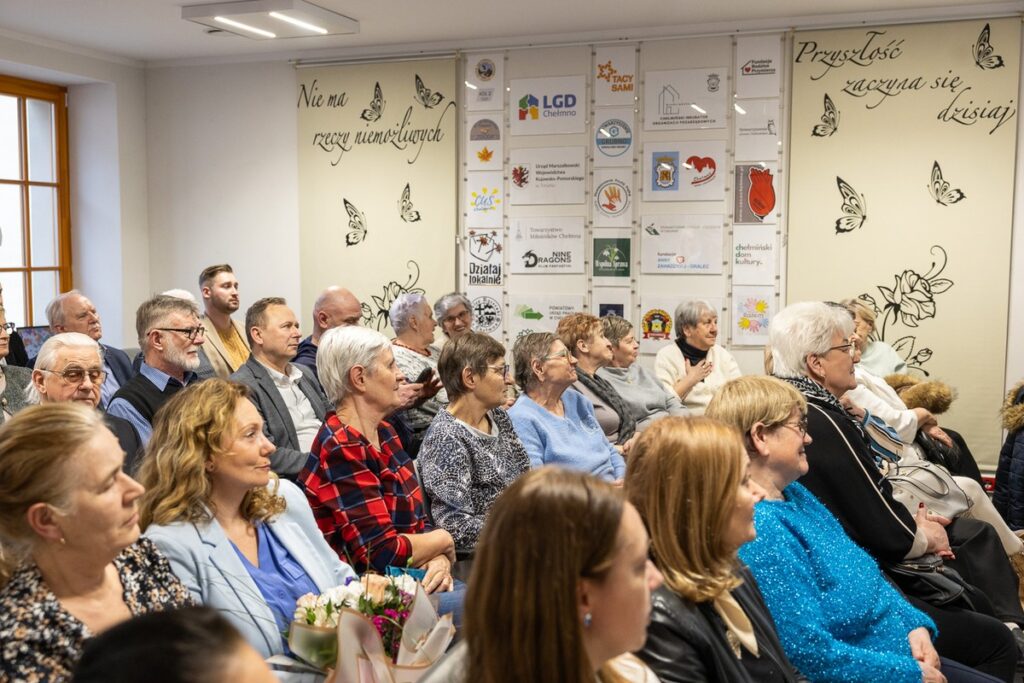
(643, 393)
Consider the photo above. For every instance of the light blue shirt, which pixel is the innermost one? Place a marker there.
(575, 441)
(110, 385)
(119, 407)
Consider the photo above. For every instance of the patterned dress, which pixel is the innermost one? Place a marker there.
(42, 641)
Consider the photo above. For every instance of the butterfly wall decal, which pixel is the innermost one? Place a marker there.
(425, 97)
(356, 224)
(983, 50)
(405, 207)
(829, 120)
(940, 189)
(373, 113)
(854, 208)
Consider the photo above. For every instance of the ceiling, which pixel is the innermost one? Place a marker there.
(152, 31)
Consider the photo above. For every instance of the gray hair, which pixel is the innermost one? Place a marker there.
(153, 311)
(403, 309)
(48, 355)
(529, 348)
(178, 293)
(447, 303)
(55, 309)
(689, 313)
(340, 350)
(615, 328)
(804, 329)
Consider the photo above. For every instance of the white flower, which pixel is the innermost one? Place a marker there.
(405, 583)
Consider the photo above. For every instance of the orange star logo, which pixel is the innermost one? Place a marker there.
(606, 71)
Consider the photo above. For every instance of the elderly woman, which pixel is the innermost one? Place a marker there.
(876, 356)
(689, 479)
(645, 397)
(558, 427)
(69, 367)
(471, 452)
(72, 564)
(241, 540)
(13, 379)
(695, 366)
(549, 601)
(839, 619)
(454, 313)
(416, 356)
(583, 335)
(360, 483)
(812, 349)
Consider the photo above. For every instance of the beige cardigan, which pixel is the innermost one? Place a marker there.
(669, 366)
(214, 348)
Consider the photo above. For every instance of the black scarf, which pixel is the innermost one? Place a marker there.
(691, 353)
(811, 389)
(606, 392)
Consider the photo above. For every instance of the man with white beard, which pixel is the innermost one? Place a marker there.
(170, 335)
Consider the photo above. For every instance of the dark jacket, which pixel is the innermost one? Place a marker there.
(119, 363)
(686, 641)
(1009, 493)
(129, 441)
(287, 460)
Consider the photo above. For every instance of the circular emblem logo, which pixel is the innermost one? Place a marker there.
(612, 197)
(485, 69)
(614, 138)
(486, 314)
(656, 324)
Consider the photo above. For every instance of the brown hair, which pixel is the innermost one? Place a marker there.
(858, 307)
(211, 272)
(256, 316)
(745, 401)
(189, 431)
(37, 447)
(577, 327)
(548, 530)
(471, 350)
(615, 328)
(683, 477)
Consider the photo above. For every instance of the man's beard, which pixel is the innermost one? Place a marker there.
(181, 358)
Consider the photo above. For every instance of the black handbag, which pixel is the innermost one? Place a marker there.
(937, 452)
(928, 578)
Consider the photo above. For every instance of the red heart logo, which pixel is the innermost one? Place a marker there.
(700, 163)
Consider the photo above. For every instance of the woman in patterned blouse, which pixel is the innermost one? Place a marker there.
(471, 453)
(72, 561)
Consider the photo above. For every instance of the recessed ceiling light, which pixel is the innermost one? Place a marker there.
(298, 22)
(269, 19)
(244, 27)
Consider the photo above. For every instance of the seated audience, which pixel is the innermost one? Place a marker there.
(583, 335)
(471, 452)
(1009, 492)
(13, 379)
(556, 426)
(241, 540)
(72, 564)
(812, 349)
(876, 356)
(73, 312)
(205, 370)
(560, 588)
(454, 314)
(646, 398)
(689, 479)
(415, 355)
(838, 618)
(189, 645)
(69, 367)
(16, 353)
(228, 347)
(287, 395)
(335, 307)
(360, 483)
(695, 366)
(171, 338)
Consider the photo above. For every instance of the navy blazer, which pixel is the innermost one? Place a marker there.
(203, 558)
(120, 364)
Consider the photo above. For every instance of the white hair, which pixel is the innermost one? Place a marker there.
(341, 349)
(447, 303)
(403, 309)
(48, 355)
(804, 329)
(55, 309)
(181, 294)
(689, 313)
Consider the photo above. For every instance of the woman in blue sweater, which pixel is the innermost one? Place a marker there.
(556, 426)
(837, 616)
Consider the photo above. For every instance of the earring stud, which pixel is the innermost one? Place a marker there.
(588, 619)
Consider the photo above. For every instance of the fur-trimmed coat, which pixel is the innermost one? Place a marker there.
(1009, 493)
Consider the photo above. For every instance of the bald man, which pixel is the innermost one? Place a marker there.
(335, 307)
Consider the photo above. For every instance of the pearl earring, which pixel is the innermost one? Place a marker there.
(588, 619)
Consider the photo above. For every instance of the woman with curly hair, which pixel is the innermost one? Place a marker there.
(240, 539)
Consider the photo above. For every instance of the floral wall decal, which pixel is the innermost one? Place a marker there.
(378, 314)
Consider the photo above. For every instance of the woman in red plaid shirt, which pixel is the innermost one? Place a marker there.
(358, 479)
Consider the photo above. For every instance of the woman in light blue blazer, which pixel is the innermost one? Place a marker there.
(240, 539)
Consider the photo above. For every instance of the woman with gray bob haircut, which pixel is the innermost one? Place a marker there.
(454, 313)
(340, 349)
(416, 357)
(695, 366)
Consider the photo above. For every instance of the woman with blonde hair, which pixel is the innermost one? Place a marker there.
(240, 539)
(72, 564)
(560, 587)
(689, 479)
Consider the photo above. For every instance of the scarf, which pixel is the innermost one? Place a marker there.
(738, 629)
(811, 389)
(606, 392)
(691, 353)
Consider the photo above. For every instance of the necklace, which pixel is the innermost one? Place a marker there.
(414, 350)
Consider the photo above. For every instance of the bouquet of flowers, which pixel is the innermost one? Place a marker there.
(374, 629)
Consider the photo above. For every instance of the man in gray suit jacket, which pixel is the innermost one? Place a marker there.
(286, 394)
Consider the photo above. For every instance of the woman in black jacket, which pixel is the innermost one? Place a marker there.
(689, 479)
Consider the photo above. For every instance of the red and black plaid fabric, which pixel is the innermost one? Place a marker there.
(362, 498)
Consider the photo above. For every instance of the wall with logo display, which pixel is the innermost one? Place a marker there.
(624, 179)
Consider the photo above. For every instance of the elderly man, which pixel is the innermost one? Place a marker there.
(335, 307)
(70, 367)
(170, 335)
(227, 347)
(287, 395)
(74, 312)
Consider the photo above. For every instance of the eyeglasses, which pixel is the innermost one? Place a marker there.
(465, 316)
(503, 370)
(191, 332)
(564, 353)
(9, 328)
(76, 375)
(800, 427)
(849, 347)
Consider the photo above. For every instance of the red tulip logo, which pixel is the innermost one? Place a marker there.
(761, 195)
